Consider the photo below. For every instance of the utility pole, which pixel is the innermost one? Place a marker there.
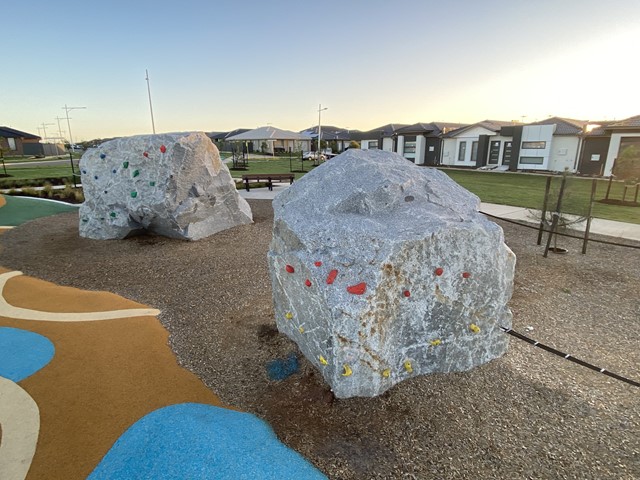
(320, 110)
(44, 129)
(67, 110)
(153, 125)
(60, 129)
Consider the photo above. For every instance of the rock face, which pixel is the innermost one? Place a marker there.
(383, 270)
(171, 184)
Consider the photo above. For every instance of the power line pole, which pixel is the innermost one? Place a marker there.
(67, 110)
(153, 124)
(60, 129)
(320, 110)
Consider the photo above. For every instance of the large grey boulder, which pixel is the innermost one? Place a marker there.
(171, 184)
(382, 270)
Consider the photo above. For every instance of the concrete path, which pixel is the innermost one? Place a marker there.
(629, 231)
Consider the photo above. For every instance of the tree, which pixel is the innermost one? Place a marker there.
(627, 166)
(354, 144)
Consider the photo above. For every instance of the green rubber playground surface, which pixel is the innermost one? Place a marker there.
(19, 210)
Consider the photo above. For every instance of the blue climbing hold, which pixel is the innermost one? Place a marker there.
(23, 353)
(103, 156)
(84, 171)
(113, 171)
(95, 177)
(193, 440)
(282, 368)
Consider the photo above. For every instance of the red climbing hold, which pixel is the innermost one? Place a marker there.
(163, 148)
(406, 293)
(466, 275)
(289, 269)
(146, 154)
(439, 271)
(318, 264)
(358, 289)
(332, 276)
(307, 282)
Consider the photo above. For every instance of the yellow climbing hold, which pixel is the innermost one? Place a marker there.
(408, 367)
(435, 342)
(288, 315)
(323, 360)
(347, 370)
(474, 328)
(386, 373)
(301, 329)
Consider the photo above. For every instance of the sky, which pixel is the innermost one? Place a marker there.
(217, 65)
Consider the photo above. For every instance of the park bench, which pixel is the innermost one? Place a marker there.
(269, 177)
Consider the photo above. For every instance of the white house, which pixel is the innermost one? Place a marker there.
(467, 146)
(275, 138)
(380, 138)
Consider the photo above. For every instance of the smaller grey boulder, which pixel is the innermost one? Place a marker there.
(170, 184)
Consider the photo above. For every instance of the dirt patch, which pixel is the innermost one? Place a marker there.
(525, 415)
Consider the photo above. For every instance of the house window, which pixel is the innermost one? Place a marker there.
(462, 151)
(531, 160)
(534, 145)
(12, 143)
(474, 151)
(409, 147)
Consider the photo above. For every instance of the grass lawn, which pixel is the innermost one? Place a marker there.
(528, 191)
(28, 173)
(273, 165)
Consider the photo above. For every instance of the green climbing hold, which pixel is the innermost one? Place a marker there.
(112, 214)
(152, 184)
(125, 164)
(136, 173)
(134, 194)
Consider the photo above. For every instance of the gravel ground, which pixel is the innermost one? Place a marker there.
(526, 415)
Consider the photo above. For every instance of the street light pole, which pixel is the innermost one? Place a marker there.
(153, 124)
(320, 110)
(67, 110)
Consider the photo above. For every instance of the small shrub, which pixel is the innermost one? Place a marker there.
(30, 192)
(79, 195)
(47, 191)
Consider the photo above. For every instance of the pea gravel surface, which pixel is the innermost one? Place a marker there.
(528, 414)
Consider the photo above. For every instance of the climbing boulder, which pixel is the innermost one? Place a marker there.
(171, 184)
(383, 270)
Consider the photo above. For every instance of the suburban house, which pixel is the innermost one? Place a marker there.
(380, 138)
(336, 136)
(624, 134)
(476, 145)
(421, 143)
(220, 138)
(14, 142)
(274, 140)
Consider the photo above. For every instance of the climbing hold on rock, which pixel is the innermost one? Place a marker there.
(439, 271)
(323, 360)
(466, 275)
(408, 367)
(307, 282)
(332, 276)
(125, 164)
(358, 289)
(134, 194)
(163, 148)
(406, 293)
(146, 154)
(474, 328)
(288, 315)
(112, 214)
(301, 329)
(346, 370)
(435, 342)
(103, 156)
(136, 173)
(318, 264)
(289, 269)
(152, 184)
(386, 373)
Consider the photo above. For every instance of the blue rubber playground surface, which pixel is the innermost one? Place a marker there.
(19, 210)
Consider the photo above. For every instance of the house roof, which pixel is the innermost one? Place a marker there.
(491, 125)
(225, 135)
(383, 131)
(564, 126)
(269, 133)
(631, 122)
(432, 129)
(13, 133)
(329, 132)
